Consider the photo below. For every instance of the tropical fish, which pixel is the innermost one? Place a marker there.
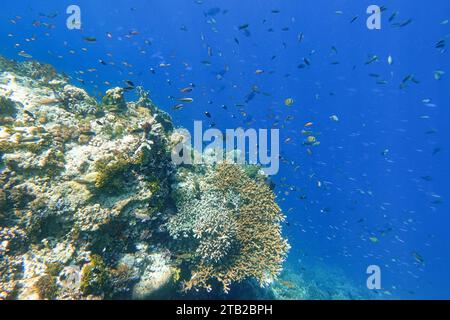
(371, 60)
(289, 102)
(188, 100)
(25, 55)
(178, 107)
(418, 257)
(186, 90)
(90, 39)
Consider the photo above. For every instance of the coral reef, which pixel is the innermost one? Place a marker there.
(91, 206)
(233, 222)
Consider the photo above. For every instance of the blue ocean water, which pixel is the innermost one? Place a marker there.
(374, 192)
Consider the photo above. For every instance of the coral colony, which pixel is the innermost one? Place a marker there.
(92, 206)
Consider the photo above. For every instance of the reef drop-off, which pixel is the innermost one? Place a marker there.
(92, 207)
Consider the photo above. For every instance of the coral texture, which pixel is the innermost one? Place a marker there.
(235, 222)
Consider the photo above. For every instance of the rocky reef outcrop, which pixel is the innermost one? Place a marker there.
(92, 207)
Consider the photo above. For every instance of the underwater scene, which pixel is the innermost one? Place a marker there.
(222, 149)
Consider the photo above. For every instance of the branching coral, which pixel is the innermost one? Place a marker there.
(236, 224)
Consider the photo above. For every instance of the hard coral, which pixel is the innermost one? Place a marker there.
(236, 225)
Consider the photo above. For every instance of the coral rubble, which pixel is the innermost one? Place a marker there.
(91, 206)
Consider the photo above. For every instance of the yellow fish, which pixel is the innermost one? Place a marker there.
(289, 102)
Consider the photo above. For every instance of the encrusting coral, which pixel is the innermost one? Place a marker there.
(91, 205)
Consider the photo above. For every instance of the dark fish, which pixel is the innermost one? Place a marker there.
(418, 257)
(405, 23)
(207, 114)
(440, 44)
(407, 78)
(354, 19)
(436, 150)
(130, 83)
(50, 16)
(90, 39)
(326, 210)
(392, 17)
(252, 94)
(371, 60)
(29, 114)
(243, 26)
(402, 24)
(178, 107)
(414, 80)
